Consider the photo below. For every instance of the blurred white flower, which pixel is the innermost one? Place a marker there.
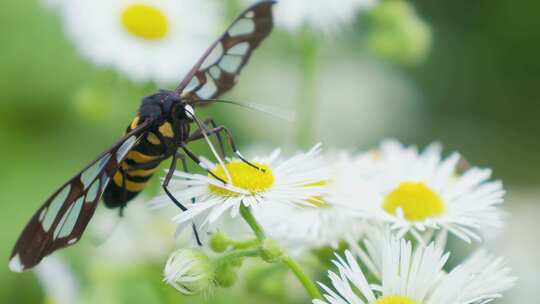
(322, 15)
(190, 271)
(328, 221)
(291, 182)
(146, 40)
(305, 228)
(57, 280)
(417, 277)
(422, 192)
(141, 235)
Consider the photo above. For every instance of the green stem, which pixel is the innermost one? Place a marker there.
(308, 284)
(252, 222)
(238, 244)
(304, 279)
(307, 99)
(236, 254)
(244, 244)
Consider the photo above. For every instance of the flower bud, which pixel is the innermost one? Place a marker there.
(237, 262)
(270, 251)
(226, 276)
(190, 271)
(219, 242)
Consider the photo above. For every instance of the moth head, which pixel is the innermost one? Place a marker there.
(182, 111)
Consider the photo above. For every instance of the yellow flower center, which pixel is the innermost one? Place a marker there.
(376, 154)
(244, 176)
(145, 21)
(395, 300)
(416, 200)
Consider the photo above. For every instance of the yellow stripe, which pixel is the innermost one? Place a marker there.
(139, 172)
(130, 186)
(141, 158)
(166, 130)
(153, 139)
(142, 172)
(134, 123)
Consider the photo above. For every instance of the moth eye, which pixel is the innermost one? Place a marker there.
(190, 112)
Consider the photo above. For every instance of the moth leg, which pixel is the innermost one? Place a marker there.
(212, 123)
(185, 168)
(198, 161)
(217, 130)
(166, 182)
(168, 178)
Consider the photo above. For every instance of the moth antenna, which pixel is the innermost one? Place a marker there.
(288, 116)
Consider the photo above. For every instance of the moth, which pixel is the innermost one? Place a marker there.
(161, 130)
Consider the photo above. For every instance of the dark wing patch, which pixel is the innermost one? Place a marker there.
(218, 69)
(61, 220)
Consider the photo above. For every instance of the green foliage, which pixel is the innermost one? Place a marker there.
(398, 34)
(266, 280)
(92, 104)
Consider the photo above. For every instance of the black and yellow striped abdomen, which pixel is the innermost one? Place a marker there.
(140, 164)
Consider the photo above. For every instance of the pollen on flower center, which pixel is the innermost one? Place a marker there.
(395, 300)
(244, 176)
(416, 200)
(145, 21)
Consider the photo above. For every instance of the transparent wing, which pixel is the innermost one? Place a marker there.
(61, 220)
(218, 69)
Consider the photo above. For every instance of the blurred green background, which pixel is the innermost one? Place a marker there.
(476, 92)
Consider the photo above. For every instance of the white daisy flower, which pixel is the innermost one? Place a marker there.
(321, 15)
(422, 192)
(304, 228)
(291, 182)
(328, 221)
(416, 277)
(146, 40)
